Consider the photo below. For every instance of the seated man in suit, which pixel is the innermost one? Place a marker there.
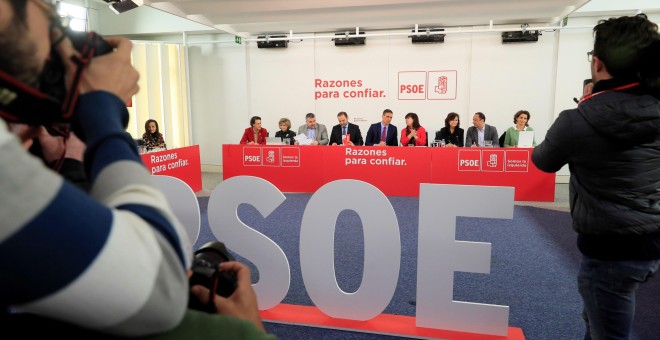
(382, 133)
(316, 132)
(481, 132)
(339, 132)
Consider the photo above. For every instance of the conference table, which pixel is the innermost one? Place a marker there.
(182, 163)
(396, 171)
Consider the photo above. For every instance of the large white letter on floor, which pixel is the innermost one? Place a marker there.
(273, 266)
(382, 249)
(440, 255)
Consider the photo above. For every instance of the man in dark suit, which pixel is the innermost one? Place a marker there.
(339, 132)
(481, 132)
(382, 133)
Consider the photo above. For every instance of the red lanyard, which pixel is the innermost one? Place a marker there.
(623, 87)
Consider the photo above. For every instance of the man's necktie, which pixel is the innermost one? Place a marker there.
(383, 135)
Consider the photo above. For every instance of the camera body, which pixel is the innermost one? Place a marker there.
(54, 101)
(205, 272)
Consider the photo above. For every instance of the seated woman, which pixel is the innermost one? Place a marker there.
(452, 134)
(285, 130)
(152, 137)
(521, 118)
(413, 133)
(255, 134)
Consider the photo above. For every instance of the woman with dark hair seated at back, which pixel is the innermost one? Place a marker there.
(255, 134)
(152, 137)
(285, 130)
(521, 119)
(452, 134)
(414, 133)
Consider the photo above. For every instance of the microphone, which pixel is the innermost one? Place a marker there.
(576, 100)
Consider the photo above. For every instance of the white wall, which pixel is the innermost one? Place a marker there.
(231, 82)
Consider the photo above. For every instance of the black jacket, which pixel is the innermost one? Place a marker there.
(611, 143)
(352, 129)
(286, 134)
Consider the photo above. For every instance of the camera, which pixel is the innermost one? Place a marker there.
(206, 272)
(52, 102)
(52, 80)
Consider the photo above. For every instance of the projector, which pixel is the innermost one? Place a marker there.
(520, 36)
(121, 6)
(344, 39)
(272, 44)
(426, 37)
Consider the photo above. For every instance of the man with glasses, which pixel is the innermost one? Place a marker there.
(611, 143)
(114, 260)
(345, 129)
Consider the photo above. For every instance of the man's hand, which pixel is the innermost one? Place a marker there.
(587, 90)
(315, 142)
(382, 143)
(111, 72)
(242, 303)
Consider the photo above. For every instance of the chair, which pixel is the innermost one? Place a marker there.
(502, 139)
(427, 138)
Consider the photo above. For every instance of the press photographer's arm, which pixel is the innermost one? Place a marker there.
(113, 260)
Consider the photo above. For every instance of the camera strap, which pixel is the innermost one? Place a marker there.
(87, 52)
(20, 103)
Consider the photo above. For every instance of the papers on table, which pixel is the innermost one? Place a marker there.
(525, 139)
(302, 139)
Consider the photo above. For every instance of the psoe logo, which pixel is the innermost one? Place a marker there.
(251, 156)
(492, 160)
(271, 156)
(469, 160)
(443, 85)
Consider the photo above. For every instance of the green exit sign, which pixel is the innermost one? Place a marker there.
(237, 39)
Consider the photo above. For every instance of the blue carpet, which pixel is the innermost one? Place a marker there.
(533, 269)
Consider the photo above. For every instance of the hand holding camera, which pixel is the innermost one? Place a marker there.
(242, 303)
(111, 72)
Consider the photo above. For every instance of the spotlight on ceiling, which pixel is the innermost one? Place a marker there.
(349, 39)
(272, 43)
(121, 6)
(524, 36)
(428, 36)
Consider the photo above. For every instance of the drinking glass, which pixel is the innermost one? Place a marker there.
(488, 143)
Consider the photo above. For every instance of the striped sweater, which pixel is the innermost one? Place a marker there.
(113, 260)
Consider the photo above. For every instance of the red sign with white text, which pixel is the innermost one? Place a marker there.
(291, 157)
(252, 156)
(182, 163)
(469, 160)
(492, 160)
(517, 161)
(396, 171)
(270, 156)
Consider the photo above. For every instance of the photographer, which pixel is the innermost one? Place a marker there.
(611, 143)
(112, 261)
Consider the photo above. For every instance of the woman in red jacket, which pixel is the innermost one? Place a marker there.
(413, 133)
(255, 134)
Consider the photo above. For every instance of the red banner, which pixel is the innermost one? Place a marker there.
(396, 171)
(182, 163)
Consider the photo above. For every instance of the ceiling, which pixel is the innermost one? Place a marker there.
(258, 17)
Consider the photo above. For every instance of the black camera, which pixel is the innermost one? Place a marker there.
(52, 102)
(52, 81)
(206, 272)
